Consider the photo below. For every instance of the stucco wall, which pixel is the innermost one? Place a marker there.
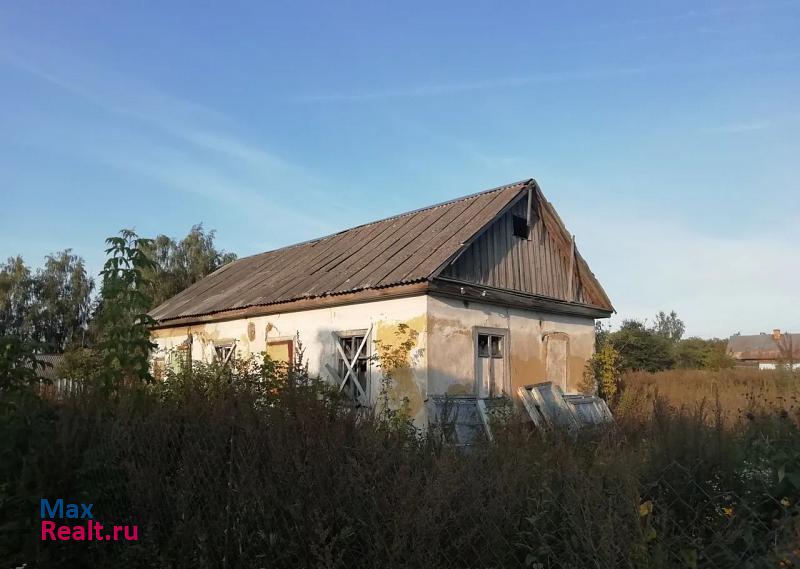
(451, 344)
(316, 328)
(442, 361)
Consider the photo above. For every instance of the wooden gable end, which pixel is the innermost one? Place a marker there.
(543, 264)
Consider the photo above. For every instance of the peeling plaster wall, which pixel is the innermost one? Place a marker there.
(316, 328)
(441, 362)
(451, 344)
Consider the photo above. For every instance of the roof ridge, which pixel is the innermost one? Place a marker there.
(391, 217)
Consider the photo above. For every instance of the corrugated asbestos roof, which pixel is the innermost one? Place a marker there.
(403, 249)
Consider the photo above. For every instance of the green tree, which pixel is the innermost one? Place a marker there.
(180, 264)
(62, 291)
(16, 298)
(669, 326)
(697, 353)
(691, 353)
(641, 348)
(123, 320)
(19, 366)
(52, 306)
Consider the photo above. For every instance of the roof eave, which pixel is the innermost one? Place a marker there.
(297, 305)
(463, 290)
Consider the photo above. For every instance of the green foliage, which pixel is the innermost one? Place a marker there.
(697, 353)
(641, 348)
(63, 291)
(124, 323)
(50, 307)
(53, 305)
(669, 326)
(391, 359)
(660, 346)
(16, 297)
(602, 372)
(179, 264)
(82, 365)
(19, 367)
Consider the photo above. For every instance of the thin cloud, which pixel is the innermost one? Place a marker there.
(465, 87)
(204, 157)
(735, 128)
(711, 281)
(553, 77)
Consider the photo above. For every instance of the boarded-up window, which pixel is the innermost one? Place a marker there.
(557, 347)
(281, 351)
(223, 352)
(354, 352)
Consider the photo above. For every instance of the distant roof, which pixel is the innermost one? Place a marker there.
(761, 346)
(403, 249)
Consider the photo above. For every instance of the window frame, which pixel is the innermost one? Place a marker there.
(230, 346)
(505, 334)
(366, 358)
(289, 342)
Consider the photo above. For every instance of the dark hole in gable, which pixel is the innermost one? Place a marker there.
(521, 228)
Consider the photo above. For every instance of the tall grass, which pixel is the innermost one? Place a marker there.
(267, 468)
(740, 392)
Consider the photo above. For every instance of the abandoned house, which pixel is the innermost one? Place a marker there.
(492, 285)
(765, 351)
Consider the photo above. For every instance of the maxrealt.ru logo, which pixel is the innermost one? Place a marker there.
(89, 530)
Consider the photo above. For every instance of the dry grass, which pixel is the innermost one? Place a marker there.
(271, 470)
(738, 391)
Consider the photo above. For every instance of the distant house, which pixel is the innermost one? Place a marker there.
(492, 283)
(765, 351)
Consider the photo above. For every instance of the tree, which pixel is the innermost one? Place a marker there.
(691, 353)
(124, 323)
(50, 307)
(669, 326)
(178, 265)
(19, 366)
(641, 348)
(697, 353)
(16, 297)
(62, 290)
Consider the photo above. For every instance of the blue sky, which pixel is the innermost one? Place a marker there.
(666, 135)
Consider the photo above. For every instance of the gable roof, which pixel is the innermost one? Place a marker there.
(762, 346)
(408, 248)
